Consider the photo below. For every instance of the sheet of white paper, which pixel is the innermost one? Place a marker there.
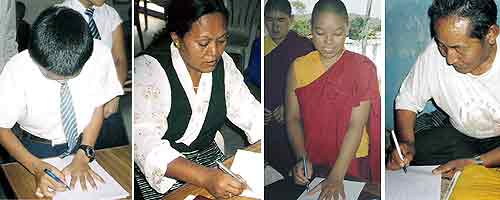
(352, 189)
(250, 166)
(418, 183)
(271, 175)
(109, 190)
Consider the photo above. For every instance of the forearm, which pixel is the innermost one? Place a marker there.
(296, 137)
(189, 172)
(352, 139)
(491, 158)
(405, 125)
(17, 150)
(121, 69)
(91, 132)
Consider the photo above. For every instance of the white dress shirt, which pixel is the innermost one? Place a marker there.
(8, 44)
(472, 102)
(106, 19)
(30, 99)
(152, 101)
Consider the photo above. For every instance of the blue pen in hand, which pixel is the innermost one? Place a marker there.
(304, 161)
(53, 176)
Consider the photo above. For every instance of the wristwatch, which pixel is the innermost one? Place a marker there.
(477, 160)
(89, 151)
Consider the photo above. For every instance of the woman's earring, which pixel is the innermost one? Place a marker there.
(176, 44)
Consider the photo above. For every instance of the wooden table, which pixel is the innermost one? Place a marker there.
(116, 161)
(189, 189)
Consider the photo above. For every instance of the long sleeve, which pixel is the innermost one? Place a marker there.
(8, 44)
(242, 107)
(152, 103)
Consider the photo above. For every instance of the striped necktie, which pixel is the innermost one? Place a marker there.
(68, 117)
(92, 26)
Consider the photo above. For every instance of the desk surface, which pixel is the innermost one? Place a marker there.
(116, 161)
(189, 189)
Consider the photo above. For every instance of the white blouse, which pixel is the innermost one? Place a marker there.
(152, 101)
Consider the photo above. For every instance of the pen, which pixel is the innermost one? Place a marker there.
(304, 162)
(227, 171)
(452, 184)
(52, 175)
(397, 148)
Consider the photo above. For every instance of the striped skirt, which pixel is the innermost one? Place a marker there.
(205, 158)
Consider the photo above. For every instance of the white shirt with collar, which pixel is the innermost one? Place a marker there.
(30, 99)
(106, 19)
(152, 101)
(472, 102)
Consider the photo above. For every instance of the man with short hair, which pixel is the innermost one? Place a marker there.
(281, 47)
(56, 91)
(460, 71)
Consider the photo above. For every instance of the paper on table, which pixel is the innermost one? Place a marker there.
(250, 166)
(271, 175)
(109, 190)
(352, 189)
(417, 183)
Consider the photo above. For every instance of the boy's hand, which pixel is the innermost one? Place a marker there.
(79, 169)
(44, 181)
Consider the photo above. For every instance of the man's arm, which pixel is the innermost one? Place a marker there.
(405, 127)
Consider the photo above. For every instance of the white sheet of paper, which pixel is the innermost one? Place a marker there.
(418, 183)
(250, 166)
(109, 190)
(271, 175)
(352, 189)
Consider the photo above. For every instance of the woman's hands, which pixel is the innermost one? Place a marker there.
(222, 185)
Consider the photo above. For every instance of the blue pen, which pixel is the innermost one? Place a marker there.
(52, 175)
(304, 161)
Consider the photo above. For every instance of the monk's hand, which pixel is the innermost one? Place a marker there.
(298, 173)
(449, 169)
(331, 188)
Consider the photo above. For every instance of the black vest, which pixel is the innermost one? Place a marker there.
(180, 111)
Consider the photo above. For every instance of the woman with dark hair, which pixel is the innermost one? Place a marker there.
(333, 108)
(182, 101)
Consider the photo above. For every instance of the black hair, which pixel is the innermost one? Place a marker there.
(279, 5)
(60, 41)
(481, 14)
(334, 6)
(183, 13)
(20, 10)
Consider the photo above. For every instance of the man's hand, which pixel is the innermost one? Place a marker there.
(79, 170)
(278, 114)
(408, 152)
(111, 107)
(448, 169)
(44, 181)
(331, 188)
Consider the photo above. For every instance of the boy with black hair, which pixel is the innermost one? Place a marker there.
(56, 91)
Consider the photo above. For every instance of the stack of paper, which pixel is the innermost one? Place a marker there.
(250, 166)
(418, 183)
(352, 190)
(108, 190)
